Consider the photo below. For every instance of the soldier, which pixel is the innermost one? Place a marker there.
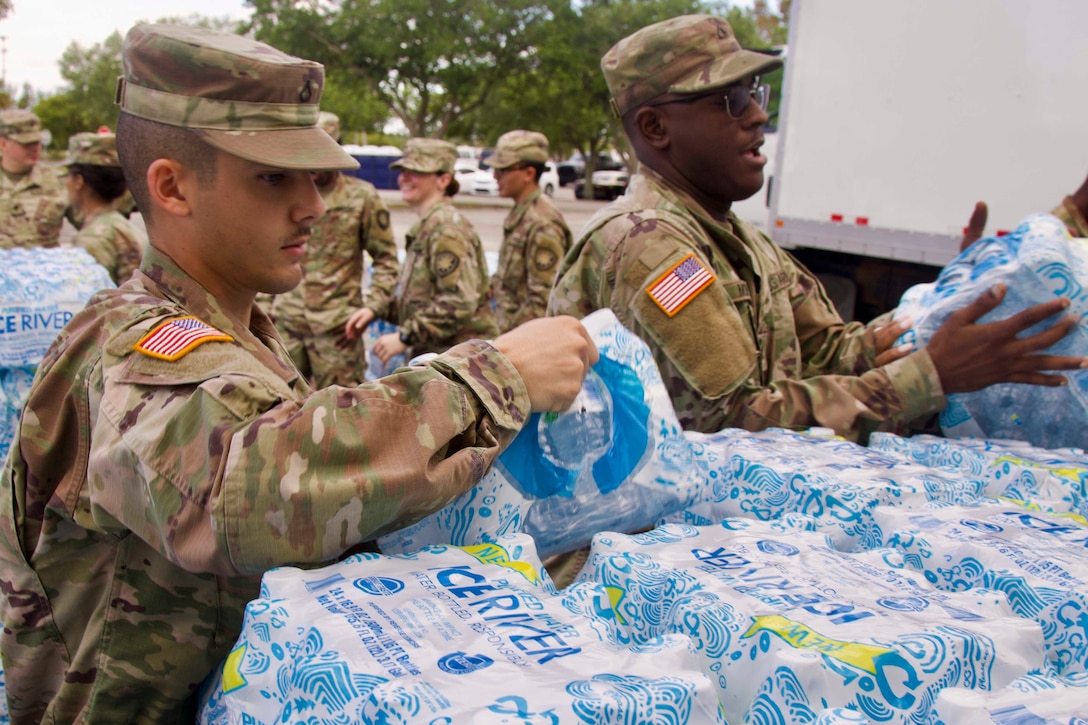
(442, 292)
(31, 197)
(312, 318)
(535, 237)
(744, 336)
(95, 182)
(169, 453)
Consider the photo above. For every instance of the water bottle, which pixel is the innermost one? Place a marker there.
(583, 432)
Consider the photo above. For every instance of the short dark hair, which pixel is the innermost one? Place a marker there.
(106, 181)
(141, 142)
(537, 166)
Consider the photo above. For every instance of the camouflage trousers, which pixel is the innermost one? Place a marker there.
(317, 357)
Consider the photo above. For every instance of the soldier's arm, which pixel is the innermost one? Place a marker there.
(227, 477)
(376, 231)
(460, 279)
(543, 254)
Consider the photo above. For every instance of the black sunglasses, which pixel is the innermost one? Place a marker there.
(736, 96)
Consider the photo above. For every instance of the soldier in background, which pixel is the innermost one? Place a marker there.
(744, 336)
(32, 199)
(312, 318)
(442, 295)
(169, 453)
(535, 237)
(95, 182)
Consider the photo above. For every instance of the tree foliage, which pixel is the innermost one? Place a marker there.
(429, 62)
(91, 82)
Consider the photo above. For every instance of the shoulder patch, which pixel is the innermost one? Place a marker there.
(445, 263)
(679, 286)
(545, 259)
(175, 338)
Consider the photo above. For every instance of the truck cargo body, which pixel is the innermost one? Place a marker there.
(896, 117)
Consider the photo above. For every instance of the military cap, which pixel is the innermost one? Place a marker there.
(92, 149)
(20, 125)
(239, 95)
(516, 147)
(330, 124)
(686, 54)
(427, 156)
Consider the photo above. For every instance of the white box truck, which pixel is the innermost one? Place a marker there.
(896, 117)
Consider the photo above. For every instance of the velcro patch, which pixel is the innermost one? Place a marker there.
(445, 263)
(679, 286)
(175, 338)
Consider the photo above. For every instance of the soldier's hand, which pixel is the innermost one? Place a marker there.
(888, 334)
(553, 355)
(970, 356)
(357, 323)
(386, 346)
(976, 225)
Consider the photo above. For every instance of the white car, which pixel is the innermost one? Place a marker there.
(483, 182)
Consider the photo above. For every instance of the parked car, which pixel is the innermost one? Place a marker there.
(464, 170)
(483, 181)
(574, 168)
(607, 185)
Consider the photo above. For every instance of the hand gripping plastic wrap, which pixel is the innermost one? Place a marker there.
(448, 635)
(823, 483)
(616, 460)
(375, 368)
(1037, 262)
(1040, 561)
(790, 628)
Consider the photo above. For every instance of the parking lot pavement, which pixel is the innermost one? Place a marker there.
(488, 212)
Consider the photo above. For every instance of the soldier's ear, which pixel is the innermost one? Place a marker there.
(166, 182)
(652, 126)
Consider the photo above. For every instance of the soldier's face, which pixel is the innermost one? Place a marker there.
(717, 154)
(19, 158)
(418, 189)
(254, 223)
(513, 181)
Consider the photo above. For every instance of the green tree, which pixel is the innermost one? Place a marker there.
(429, 62)
(88, 99)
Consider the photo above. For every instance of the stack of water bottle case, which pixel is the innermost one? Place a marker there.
(782, 577)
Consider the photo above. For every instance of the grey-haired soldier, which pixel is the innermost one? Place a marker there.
(169, 453)
(535, 236)
(32, 199)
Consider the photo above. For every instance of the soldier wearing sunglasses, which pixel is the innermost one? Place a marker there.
(743, 334)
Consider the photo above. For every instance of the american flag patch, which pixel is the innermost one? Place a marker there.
(174, 338)
(679, 285)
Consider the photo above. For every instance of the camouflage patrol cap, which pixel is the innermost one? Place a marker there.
(92, 149)
(330, 124)
(686, 54)
(427, 156)
(20, 125)
(241, 96)
(517, 147)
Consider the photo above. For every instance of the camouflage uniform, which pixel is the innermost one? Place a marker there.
(535, 239)
(31, 207)
(760, 346)
(107, 235)
(311, 317)
(442, 292)
(744, 336)
(147, 489)
(113, 242)
(442, 295)
(1074, 220)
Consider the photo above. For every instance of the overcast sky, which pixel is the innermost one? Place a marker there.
(38, 31)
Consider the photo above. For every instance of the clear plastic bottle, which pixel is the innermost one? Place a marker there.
(581, 434)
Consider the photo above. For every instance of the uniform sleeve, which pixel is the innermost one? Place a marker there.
(460, 279)
(713, 369)
(1071, 216)
(582, 284)
(543, 254)
(223, 475)
(376, 231)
